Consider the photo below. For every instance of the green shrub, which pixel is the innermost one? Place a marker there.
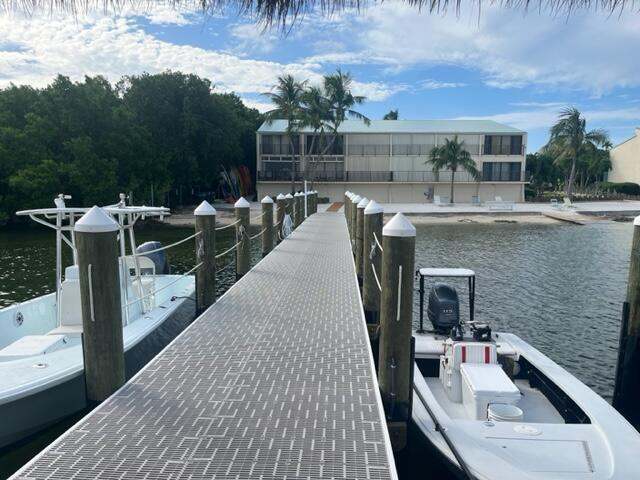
(626, 188)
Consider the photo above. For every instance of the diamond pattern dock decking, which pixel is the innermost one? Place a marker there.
(274, 381)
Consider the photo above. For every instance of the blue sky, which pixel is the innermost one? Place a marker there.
(514, 68)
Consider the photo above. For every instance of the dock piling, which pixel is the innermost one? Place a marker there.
(243, 250)
(297, 212)
(281, 206)
(267, 225)
(290, 203)
(360, 236)
(372, 259)
(626, 396)
(353, 215)
(396, 315)
(205, 217)
(101, 303)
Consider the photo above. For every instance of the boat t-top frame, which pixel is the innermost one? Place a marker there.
(447, 273)
(63, 219)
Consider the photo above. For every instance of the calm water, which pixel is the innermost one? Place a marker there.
(27, 270)
(560, 287)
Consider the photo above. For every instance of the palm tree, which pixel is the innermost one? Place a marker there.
(453, 156)
(315, 113)
(392, 115)
(568, 137)
(337, 88)
(287, 99)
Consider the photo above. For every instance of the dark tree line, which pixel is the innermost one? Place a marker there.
(163, 137)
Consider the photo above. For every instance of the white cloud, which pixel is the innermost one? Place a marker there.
(590, 51)
(35, 49)
(430, 84)
(543, 118)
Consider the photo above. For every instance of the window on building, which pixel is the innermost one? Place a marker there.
(278, 145)
(503, 145)
(335, 144)
(501, 171)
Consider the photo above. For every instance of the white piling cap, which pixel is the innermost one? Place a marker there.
(636, 221)
(280, 197)
(288, 195)
(399, 226)
(96, 220)
(355, 199)
(267, 199)
(347, 193)
(373, 207)
(242, 203)
(205, 208)
(363, 203)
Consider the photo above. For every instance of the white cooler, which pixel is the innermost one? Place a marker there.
(483, 384)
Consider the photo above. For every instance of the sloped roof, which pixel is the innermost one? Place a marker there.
(406, 126)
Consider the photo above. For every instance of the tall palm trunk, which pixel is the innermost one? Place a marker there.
(572, 177)
(293, 165)
(453, 174)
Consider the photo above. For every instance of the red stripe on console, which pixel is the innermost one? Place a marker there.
(464, 354)
(487, 354)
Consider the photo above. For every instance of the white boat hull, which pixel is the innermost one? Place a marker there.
(43, 401)
(545, 443)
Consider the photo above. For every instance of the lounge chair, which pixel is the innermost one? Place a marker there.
(499, 204)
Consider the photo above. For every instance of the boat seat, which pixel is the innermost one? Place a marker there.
(31, 345)
(484, 384)
(70, 306)
(458, 353)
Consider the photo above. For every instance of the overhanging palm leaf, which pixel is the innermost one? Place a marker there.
(453, 156)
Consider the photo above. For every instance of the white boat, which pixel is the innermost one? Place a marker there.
(494, 407)
(41, 362)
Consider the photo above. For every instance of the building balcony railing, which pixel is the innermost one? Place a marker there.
(387, 176)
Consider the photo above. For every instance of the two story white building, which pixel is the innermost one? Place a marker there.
(387, 160)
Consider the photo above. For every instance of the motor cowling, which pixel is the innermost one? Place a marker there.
(444, 307)
(160, 259)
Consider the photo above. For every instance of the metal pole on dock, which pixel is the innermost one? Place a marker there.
(267, 225)
(372, 259)
(205, 216)
(281, 206)
(353, 214)
(396, 314)
(243, 250)
(100, 297)
(360, 236)
(626, 395)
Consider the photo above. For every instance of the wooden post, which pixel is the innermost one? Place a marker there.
(396, 315)
(290, 203)
(297, 209)
(243, 250)
(347, 199)
(353, 214)
(96, 242)
(360, 236)
(205, 216)
(372, 258)
(267, 225)
(281, 206)
(626, 396)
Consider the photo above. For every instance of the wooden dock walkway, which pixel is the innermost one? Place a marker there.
(275, 380)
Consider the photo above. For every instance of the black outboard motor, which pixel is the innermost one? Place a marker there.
(444, 308)
(160, 258)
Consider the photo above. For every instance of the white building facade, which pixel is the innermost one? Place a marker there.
(625, 160)
(387, 160)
